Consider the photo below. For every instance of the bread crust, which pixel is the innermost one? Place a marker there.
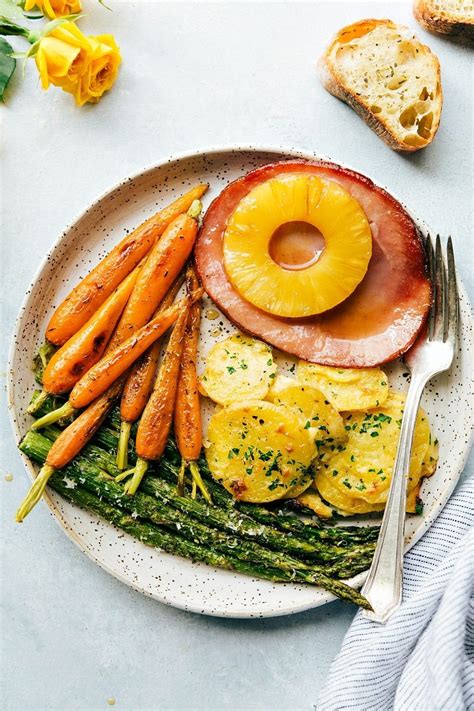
(335, 85)
(444, 23)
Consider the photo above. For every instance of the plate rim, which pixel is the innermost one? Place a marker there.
(178, 157)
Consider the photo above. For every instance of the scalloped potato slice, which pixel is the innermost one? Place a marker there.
(237, 369)
(303, 484)
(310, 404)
(353, 508)
(355, 477)
(412, 498)
(257, 450)
(343, 503)
(430, 461)
(312, 500)
(346, 388)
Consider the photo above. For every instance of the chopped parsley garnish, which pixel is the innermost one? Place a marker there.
(419, 506)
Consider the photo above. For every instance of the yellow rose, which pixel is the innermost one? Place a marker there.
(83, 66)
(102, 70)
(54, 8)
(62, 57)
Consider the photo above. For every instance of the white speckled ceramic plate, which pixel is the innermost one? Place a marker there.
(166, 578)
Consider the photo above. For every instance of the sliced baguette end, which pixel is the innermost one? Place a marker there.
(377, 125)
(444, 22)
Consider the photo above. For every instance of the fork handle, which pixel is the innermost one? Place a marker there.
(383, 587)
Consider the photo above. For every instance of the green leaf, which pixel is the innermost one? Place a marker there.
(10, 9)
(7, 65)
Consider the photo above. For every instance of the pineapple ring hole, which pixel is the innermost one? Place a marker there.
(296, 245)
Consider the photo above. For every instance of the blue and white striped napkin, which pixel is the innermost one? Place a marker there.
(423, 658)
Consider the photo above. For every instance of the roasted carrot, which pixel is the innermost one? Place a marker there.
(187, 412)
(147, 294)
(112, 366)
(92, 291)
(163, 265)
(139, 384)
(155, 424)
(87, 346)
(68, 444)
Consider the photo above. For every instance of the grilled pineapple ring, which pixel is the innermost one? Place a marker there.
(323, 283)
(259, 451)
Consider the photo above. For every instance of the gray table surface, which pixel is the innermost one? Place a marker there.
(194, 75)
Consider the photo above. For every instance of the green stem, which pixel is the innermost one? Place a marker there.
(46, 352)
(181, 477)
(64, 411)
(197, 480)
(195, 209)
(35, 493)
(122, 449)
(140, 470)
(125, 475)
(37, 403)
(7, 27)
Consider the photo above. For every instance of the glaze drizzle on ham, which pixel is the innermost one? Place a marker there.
(376, 324)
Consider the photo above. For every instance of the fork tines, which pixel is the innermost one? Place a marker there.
(444, 313)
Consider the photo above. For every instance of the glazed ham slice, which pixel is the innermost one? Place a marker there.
(381, 318)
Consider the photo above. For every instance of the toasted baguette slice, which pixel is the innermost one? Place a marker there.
(446, 17)
(389, 78)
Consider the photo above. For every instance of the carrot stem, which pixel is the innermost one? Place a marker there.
(125, 475)
(35, 492)
(194, 490)
(65, 410)
(195, 209)
(36, 404)
(197, 480)
(122, 449)
(140, 471)
(181, 476)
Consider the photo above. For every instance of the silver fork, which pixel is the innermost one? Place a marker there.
(432, 353)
